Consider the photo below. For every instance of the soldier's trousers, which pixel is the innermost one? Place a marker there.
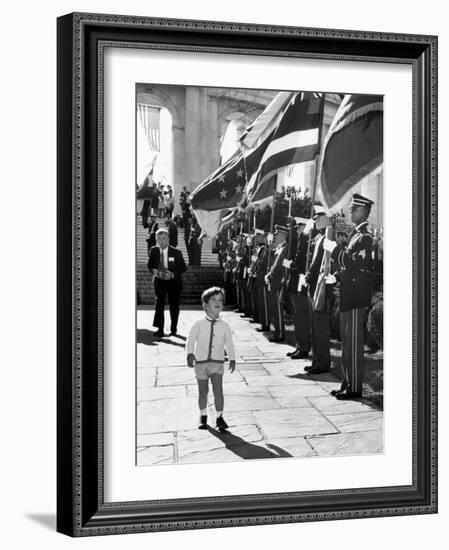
(239, 301)
(246, 298)
(302, 321)
(277, 312)
(263, 304)
(252, 290)
(352, 341)
(320, 337)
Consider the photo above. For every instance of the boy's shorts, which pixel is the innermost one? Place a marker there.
(204, 371)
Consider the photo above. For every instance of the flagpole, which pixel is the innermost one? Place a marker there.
(315, 181)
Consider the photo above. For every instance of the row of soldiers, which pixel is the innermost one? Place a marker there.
(299, 265)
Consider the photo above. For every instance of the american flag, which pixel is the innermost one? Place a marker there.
(149, 117)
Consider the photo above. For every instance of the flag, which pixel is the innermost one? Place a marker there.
(352, 149)
(150, 120)
(224, 190)
(266, 121)
(296, 139)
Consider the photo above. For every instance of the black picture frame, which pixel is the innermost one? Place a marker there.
(81, 510)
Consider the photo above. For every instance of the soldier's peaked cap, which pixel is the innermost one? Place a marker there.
(281, 229)
(359, 200)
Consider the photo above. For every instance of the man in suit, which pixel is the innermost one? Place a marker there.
(167, 264)
(354, 262)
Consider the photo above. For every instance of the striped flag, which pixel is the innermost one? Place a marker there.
(296, 139)
(266, 121)
(288, 132)
(352, 149)
(150, 119)
(224, 190)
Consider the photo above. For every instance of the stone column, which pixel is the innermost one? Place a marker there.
(192, 137)
(179, 170)
(213, 133)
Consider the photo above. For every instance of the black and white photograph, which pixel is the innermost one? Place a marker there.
(259, 274)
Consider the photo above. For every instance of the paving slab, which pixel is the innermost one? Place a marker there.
(149, 440)
(157, 454)
(297, 390)
(214, 456)
(175, 376)
(199, 441)
(329, 405)
(360, 443)
(291, 446)
(166, 415)
(293, 422)
(164, 392)
(250, 403)
(293, 401)
(145, 379)
(360, 422)
(273, 380)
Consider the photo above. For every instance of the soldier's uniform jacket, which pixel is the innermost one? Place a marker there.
(298, 265)
(277, 270)
(242, 263)
(252, 263)
(261, 263)
(315, 264)
(355, 269)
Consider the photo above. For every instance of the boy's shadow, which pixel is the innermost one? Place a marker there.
(246, 450)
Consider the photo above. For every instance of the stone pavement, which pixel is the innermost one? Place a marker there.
(272, 407)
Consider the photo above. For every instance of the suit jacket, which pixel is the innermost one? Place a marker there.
(176, 265)
(355, 269)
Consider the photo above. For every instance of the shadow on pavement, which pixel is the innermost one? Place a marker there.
(145, 336)
(323, 377)
(246, 450)
(167, 341)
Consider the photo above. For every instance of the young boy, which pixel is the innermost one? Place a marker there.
(208, 339)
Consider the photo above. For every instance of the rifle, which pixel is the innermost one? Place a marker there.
(319, 297)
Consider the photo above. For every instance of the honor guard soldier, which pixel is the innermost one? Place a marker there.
(321, 356)
(261, 265)
(297, 291)
(274, 280)
(252, 290)
(355, 295)
(240, 276)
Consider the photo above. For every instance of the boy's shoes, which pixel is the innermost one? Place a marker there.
(203, 423)
(221, 424)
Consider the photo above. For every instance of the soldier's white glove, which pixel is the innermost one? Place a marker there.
(329, 245)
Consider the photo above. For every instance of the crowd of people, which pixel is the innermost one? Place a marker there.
(308, 268)
(159, 204)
